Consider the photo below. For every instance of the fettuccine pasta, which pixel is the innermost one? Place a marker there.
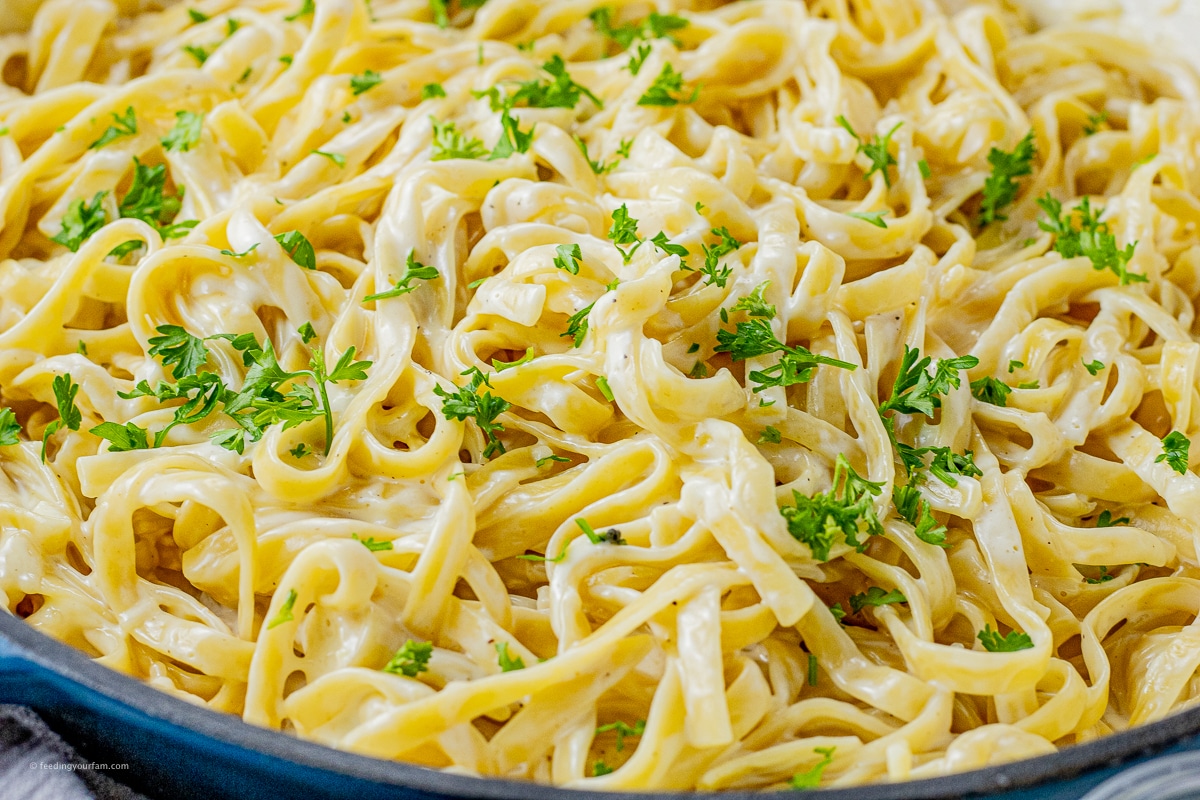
(607, 393)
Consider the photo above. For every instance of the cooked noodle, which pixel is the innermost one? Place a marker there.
(573, 501)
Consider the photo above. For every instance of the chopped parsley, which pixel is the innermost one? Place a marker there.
(197, 52)
(655, 26)
(285, 611)
(413, 270)
(599, 768)
(410, 660)
(876, 218)
(541, 462)
(147, 200)
(598, 168)
(484, 408)
(9, 428)
(990, 390)
(122, 437)
(815, 521)
(123, 125)
(993, 642)
(507, 662)
(916, 391)
(1095, 122)
(1000, 188)
(175, 346)
(561, 92)
(512, 138)
(567, 258)
(610, 536)
(297, 246)
(300, 451)
(877, 149)
(812, 670)
(1104, 576)
(432, 90)
(336, 158)
(81, 221)
(670, 248)
(186, 133)
(577, 325)
(916, 511)
(754, 305)
(449, 142)
(373, 544)
(500, 366)
(197, 15)
(1175, 451)
(69, 416)
(756, 338)
(811, 779)
(1015, 365)
(770, 435)
(605, 389)
(365, 82)
(668, 90)
(712, 271)
(1093, 367)
(1105, 520)
(307, 7)
(1092, 238)
(876, 597)
(624, 233)
(622, 730)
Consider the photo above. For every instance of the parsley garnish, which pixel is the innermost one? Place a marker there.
(926, 172)
(599, 768)
(1104, 577)
(432, 90)
(670, 248)
(755, 338)
(500, 366)
(512, 138)
(605, 389)
(916, 391)
(770, 435)
(624, 232)
(296, 245)
(300, 451)
(562, 92)
(243, 254)
(69, 415)
(577, 325)
(610, 536)
(306, 8)
(1000, 188)
(197, 52)
(811, 779)
(814, 521)
(410, 660)
(875, 597)
(638, 58)
(1094, 367)
(285, 611)
(197, 15)
(122, 437)
(667, 90)
(541, 462)
(699, 370)
(623, 729)
(176, 346)
(812, 670)
(413, 270)
(123, 125)
(373, 544)
(449, 142)
(336, 158)
(1105, 520)
(186, 133)
(1094, 123)
(81, 221)
(990, 390)
(508, 663)
(1015, 365)
(307, 334)
(876, 218)
(1175, 451)
(712, 271)
(597, 167)
(365, 82)
(483, 407)
(915, 510)
(993, 642)
(754, 305)
(9, 428)
(568, 258)
(1092, 238)
(148, 202)
(877, 150)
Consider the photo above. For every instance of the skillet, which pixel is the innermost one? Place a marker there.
(178, 750)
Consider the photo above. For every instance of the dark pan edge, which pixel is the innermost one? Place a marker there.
(66, 663)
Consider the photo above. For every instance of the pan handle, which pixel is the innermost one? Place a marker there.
(1173, 777)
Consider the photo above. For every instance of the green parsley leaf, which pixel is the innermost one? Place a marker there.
(500, 366)
(610, 536)
(812, 670)
(877, 150)
(336, 158)
(296, 245)
(307, 334)
(410, 660)
(174, 345)
(638, 58)
(146, 199)
(1094, 367)
(413, 270)
(1028, 385)
(756, 338)
(483, 407)
(712, 271)
(597, 167)
(915, 510)
(577, 325)
(568, 258)
(197, 15)
(1092, 238)
(285, 611)
(811, 778)
(1175, 451)
(300, 451)
(876, 218)
(243, 254)
(660, 241)
(365, 82)
(990, 390)
(814, 521)
(926, 172)
(541, 462)
(754, 305)
(1095, 122)
(667, 90)
(123, 125)
(699, 370)
(9, 428)
(122, 437)
(81, 221)
(1015, 365)
(837, 611)
(1104, 577)
(875, 597)
(1105, 520)
(623, 729)
(69, 416)
(432, 90)
(307, 7)
(507, 662)
(186, 133)
(449, 142)
(562, 92)
(993, 642)
(373, 544)
(599, 768)
(512, 139)
(197, 52)
(1000, 188)
(605, 389)
(770, 435)
(624, 232)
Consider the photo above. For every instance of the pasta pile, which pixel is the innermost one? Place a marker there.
(608, 393)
